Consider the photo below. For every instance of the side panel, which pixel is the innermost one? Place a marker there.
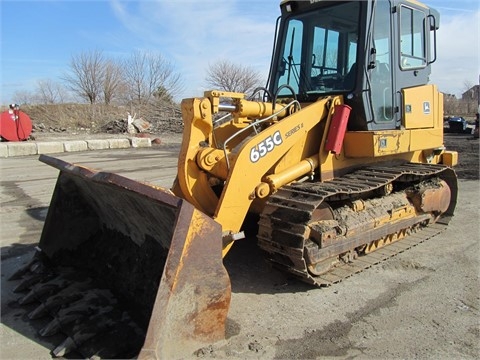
(422, 127)
(368, 144)
(376, 143)
(420, 107)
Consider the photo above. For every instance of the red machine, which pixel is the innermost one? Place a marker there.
(15, 125)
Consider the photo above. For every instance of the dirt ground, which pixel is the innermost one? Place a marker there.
(467, 148)
(423, 303)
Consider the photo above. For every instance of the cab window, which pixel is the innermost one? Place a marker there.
(319, 51)
(413, 52)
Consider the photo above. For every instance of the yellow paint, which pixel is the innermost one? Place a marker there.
(450, 158)
(390, 142)
(245, 176)
(192, 183)
(419, 107)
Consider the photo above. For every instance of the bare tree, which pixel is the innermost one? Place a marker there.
(467, 85)
(227, 76)
(150, 76)
(49, 92)
(87, 75)
(112, 81)
(450, 104)
(23, 97)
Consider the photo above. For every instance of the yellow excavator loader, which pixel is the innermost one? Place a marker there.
(341, 156)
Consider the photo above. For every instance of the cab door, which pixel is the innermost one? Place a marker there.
(381, 70)
(414, 51)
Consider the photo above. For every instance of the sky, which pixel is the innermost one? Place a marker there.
(38, 38)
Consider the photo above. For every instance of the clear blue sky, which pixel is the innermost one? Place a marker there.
(38, 38)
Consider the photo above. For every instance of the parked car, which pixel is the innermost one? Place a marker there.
(457, 124)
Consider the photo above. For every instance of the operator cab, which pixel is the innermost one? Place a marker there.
(366, 51)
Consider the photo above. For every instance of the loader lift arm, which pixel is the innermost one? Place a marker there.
(248, 174)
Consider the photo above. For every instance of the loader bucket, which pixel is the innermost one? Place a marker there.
(146, 267)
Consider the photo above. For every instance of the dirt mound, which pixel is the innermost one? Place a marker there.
(100, 118)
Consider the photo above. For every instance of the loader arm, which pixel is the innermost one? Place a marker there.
(250, 169)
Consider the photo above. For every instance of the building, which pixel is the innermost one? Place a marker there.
(472, 94)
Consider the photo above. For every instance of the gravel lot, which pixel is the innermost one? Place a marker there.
(423, 303)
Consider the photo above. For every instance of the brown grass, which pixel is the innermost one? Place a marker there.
(73, 116)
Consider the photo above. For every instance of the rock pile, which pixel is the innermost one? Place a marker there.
(155, 125)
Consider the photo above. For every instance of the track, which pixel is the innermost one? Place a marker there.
(286, 223)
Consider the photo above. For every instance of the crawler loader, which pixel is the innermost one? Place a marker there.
(341, 155)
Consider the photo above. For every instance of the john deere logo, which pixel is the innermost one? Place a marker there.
(426, 107)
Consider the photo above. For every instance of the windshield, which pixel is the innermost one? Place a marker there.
(319, 51)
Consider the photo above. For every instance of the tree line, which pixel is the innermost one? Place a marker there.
(146, 79)
(141, 78)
